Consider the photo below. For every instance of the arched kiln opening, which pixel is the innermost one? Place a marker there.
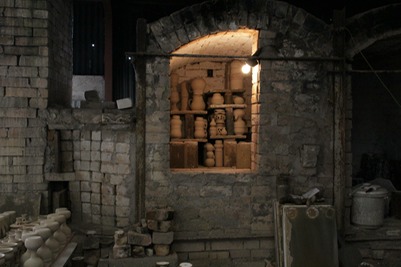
(213, 122)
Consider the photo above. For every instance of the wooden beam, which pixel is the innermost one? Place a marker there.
(140, 108)
(339, 84)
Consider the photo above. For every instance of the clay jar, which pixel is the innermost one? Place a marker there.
(33, 243)
(217, 99)
(209, 161)
(64, 227)
(175, 127)
(198, 85)
(238, 99)
(239, 123)
(199, 128)
(44, 251)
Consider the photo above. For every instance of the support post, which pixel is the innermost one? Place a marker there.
(339, 118)
(140, 129)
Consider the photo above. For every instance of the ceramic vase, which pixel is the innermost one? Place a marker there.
(212, 128)
(25, 255)
(32, 244)
(44, 251)
(174, 96)
(239, 123)
(64, 227)
(198, 85)
(175, 127)
(52, 243)
(219, 153)
(209, 161)
(199, 128)
(238, 99)
(59, 234)
(217, 99)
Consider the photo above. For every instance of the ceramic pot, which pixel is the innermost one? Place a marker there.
(238, 99)
(219, 153)
(212, 128)
(64, 227)
(52, 243)
(44, 251)
(33, 243)
(217, 99)
(199, 128)
(175, 127)
(209, 161)
(59, 234)
(239, 123)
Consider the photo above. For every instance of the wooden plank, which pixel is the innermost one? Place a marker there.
(65, 255)
(189, 126)
(177, 153)
(140, 125)
(243, 155)
(191, 154)
(230, 153)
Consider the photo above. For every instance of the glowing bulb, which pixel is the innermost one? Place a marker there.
(246, 68)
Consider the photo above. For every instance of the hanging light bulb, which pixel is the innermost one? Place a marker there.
(246, 68)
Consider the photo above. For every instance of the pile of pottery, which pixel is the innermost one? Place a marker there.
(33, 243)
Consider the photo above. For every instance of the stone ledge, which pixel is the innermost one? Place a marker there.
(143, 262)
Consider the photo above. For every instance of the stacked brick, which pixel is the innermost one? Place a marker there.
(152, 236)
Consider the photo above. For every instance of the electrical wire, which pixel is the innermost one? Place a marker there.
(373, 70)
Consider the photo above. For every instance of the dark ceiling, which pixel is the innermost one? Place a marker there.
(154, 9)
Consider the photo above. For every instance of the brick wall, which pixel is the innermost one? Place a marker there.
(95, 159)
(291, 130)
(23, 91)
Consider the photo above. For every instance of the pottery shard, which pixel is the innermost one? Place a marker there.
(160, 214)
(162, 250)
(139, 239)
(160, 238)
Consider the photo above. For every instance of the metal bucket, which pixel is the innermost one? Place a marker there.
(368, 206)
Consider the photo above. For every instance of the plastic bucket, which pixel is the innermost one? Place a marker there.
(368, 206)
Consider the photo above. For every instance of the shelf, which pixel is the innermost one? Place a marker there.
(228, 137)
(183, 112)
(200, 140)
(227, 106)
(212, 91)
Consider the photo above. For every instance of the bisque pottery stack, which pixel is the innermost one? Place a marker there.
(44, 251)
(33, 243)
